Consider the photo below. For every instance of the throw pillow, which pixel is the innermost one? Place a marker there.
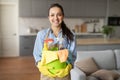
(87, 65)
(105, 75)
(91, 78)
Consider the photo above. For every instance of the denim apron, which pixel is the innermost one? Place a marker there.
(56, 65)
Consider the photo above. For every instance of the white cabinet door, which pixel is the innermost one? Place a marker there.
(8, 27)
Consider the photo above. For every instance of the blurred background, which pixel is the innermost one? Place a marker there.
(20, 20)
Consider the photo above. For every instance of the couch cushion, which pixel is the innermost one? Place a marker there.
(105, 75)
(91, 78)
(118, 78)
(118, 71)
(87, 65)
(104, 59)
(117, 55)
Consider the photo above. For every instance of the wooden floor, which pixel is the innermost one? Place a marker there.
(18, 68)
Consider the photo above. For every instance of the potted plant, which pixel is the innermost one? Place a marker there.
(107, 31)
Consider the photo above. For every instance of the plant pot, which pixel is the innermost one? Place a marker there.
(106, 37)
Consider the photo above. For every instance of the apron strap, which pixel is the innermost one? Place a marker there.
(47, 34)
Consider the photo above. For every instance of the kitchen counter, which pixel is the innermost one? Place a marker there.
(85, 44)
(97, 41)
(88, 41)
(97, 44)
(89, 33)
(28, 34)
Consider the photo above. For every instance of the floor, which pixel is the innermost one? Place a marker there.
(18, 68)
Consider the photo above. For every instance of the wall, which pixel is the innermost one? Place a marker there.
(9, 1)
(41, 23)
(117, 31)
(0, 40)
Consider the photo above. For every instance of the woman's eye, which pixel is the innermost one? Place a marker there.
(59, 14)
(52, 15)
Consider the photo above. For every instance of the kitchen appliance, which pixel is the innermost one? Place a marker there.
(114, 21)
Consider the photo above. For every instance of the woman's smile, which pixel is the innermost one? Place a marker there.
(55, 16)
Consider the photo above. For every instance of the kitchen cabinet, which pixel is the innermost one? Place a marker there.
(83, 8)
(25, 8)
(33, 8)
(89, 8)
(78, 8)
(39, 8)
(114, 7)
(66, 4)
(27, 45)
(95, 8)
(72, 9)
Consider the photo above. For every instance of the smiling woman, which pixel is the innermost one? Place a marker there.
(62, 37)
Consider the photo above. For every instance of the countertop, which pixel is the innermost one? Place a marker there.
(88, 33)
(84, 34)
(89, 41)
(29, 34)
(97, 41)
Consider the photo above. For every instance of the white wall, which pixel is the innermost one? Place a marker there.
(117, 31)
(0, 38)
(10, 1)
(0, 41)
(41, 23)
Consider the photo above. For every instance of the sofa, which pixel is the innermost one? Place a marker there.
(105, 59)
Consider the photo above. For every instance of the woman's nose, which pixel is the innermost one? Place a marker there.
(56, 17)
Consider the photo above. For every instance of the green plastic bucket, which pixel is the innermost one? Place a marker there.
(56, 65)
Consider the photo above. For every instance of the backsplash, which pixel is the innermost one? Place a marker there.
(26, 24)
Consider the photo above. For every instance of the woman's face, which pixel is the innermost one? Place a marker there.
(55, 16)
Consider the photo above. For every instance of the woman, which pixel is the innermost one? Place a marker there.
(57, 30)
